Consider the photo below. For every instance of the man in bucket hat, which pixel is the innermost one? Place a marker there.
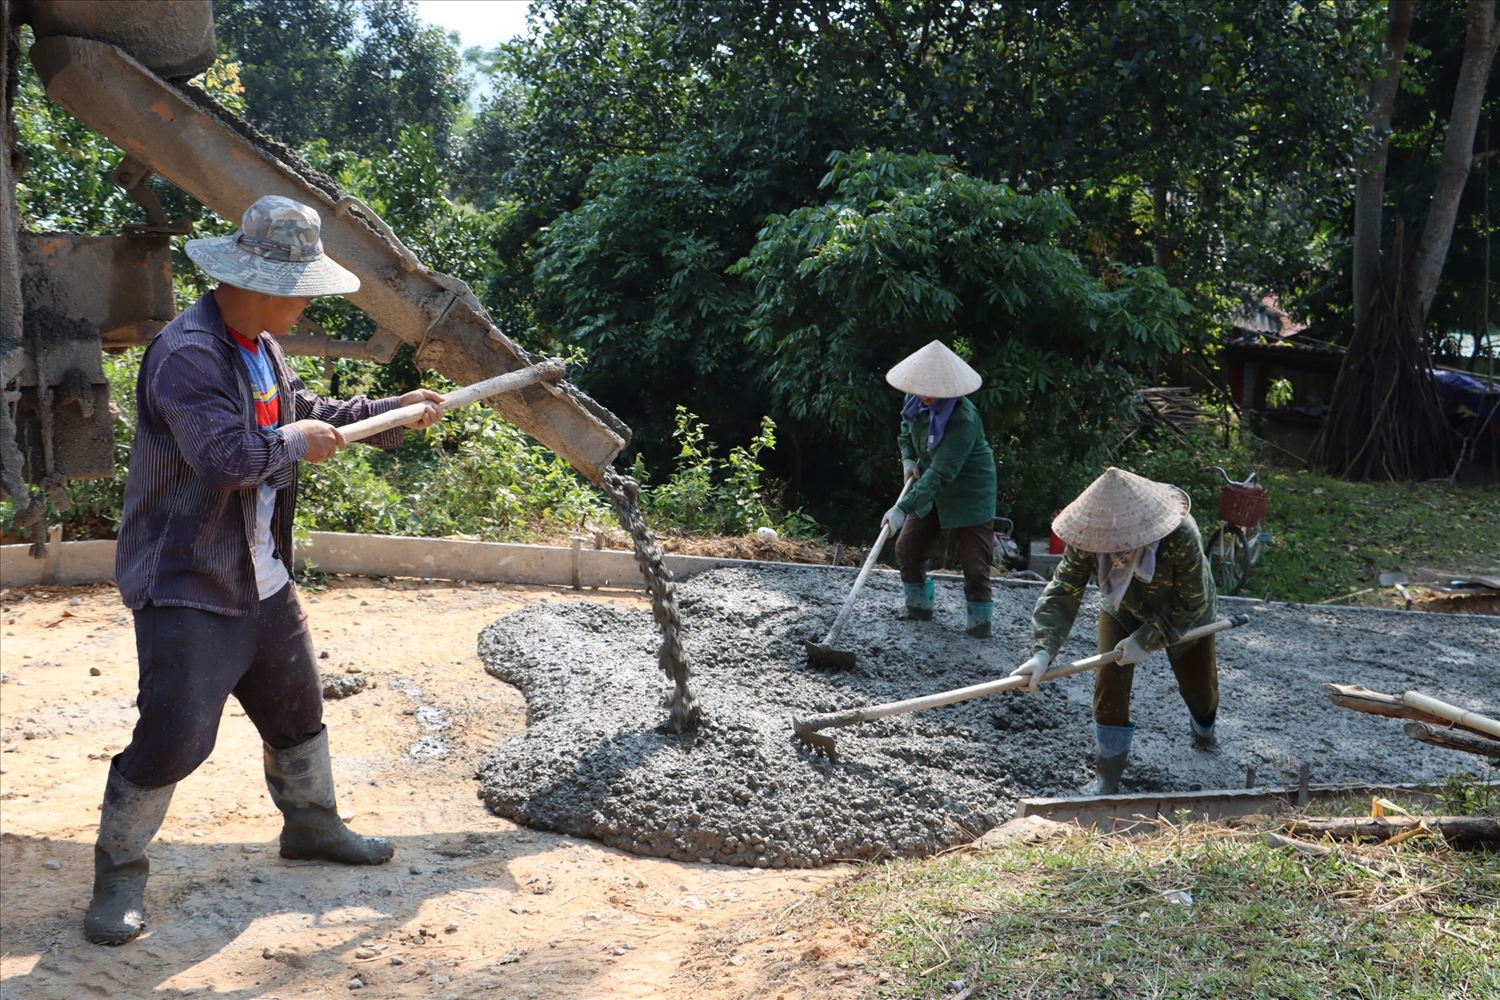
(1135, 537)
(943, 448)
(205, 547)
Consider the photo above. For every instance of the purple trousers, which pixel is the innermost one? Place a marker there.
(191, 662)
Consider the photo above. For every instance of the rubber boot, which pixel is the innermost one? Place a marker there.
(919, 600)
(129, 818)
(1111, 750)
(980, 614)
(1204, 737)
(301, 783)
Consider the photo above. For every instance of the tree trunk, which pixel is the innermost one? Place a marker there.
(1480, 43)
(1385, 420)
(1369, 187)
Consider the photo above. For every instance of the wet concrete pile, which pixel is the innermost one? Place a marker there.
(595, 760)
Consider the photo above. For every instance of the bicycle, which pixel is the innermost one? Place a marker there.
(1236, 546)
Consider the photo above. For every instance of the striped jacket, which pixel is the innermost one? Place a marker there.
(198, 457)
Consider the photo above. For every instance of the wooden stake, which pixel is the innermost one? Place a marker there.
(1453, 739)
(1455, 829)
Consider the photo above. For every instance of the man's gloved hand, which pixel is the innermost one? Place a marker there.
(1130, 651)
(895, 517)
(909, 469)
(431, 414)
(1033, 669)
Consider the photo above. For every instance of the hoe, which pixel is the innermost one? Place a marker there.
(809, 729)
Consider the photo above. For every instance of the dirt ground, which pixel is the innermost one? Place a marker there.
(472, 905)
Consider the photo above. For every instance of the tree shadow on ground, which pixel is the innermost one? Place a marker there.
(205, 899)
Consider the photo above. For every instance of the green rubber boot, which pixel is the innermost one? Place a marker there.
(919, 600)
(979, 617)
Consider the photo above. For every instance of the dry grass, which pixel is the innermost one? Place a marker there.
(1088, 915)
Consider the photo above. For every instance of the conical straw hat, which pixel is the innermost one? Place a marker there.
(1121, 511)
(934, 371)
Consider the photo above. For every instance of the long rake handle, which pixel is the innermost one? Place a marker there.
(864, 571)
(849, 717)
(546, 371)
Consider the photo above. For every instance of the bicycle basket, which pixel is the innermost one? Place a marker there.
(1243, 505)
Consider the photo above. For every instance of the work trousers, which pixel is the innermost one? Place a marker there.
(191, 661)
(976, 547)
(1196, 667)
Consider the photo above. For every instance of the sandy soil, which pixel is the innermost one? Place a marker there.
(472, 905)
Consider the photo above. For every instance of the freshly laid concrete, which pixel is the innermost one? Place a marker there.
(742, 790)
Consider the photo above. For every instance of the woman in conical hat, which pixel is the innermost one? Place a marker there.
(943, 448)
(1135, 537)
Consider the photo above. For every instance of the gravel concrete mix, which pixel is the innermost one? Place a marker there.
(594, 761)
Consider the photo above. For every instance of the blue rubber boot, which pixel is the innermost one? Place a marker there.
(980, 614)
(1204, 737)
(1111, 749)
(919, 600)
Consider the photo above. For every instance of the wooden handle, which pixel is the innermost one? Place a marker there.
(851, 716)
(1452, 713)
(864, 571)
(546, 371)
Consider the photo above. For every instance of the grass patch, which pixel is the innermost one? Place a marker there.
(1330, 537)
(1086, 915)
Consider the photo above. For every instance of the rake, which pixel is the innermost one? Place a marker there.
(809, 729)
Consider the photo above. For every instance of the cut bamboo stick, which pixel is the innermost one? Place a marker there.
(1452, 713)
(1359, 698)
(1453, 739)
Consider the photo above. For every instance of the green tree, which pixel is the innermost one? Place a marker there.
(355, 74)
(908, 249)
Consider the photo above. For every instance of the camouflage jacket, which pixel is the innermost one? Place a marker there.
(1180, 596)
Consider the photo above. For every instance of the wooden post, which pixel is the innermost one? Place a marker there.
(54, 554)
(1453, 739)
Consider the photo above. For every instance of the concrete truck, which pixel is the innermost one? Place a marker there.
(123, 67)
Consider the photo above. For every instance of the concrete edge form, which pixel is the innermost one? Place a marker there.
(479, 562)
(66, 564)
(1138, 812)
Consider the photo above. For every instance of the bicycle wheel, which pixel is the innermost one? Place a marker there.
(1229, 558)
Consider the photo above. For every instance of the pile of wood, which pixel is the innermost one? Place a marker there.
(1431, 721)
(1173, 406)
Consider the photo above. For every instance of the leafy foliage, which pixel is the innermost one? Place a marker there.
(907, 250)
(717, 496)
(356, 74)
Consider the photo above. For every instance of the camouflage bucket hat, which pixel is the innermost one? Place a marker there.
(278, 250)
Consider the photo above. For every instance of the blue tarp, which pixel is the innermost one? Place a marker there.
(1470, 393)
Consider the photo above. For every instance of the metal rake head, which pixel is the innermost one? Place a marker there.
(814, 740)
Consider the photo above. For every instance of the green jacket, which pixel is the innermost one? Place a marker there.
(1180, 596)
(958, 476)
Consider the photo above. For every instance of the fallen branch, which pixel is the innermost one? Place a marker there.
(1358, 698)
(1453, 739)
(1454, 829)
